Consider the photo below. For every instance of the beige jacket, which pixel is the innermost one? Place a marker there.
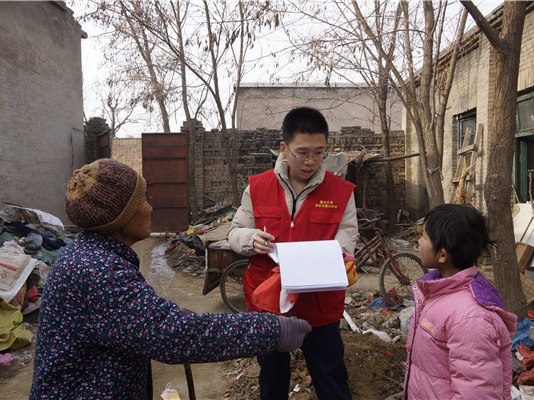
(243, 226)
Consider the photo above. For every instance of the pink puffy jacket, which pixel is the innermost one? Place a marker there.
(459, 344)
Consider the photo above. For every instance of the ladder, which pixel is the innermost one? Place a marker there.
(463, 181)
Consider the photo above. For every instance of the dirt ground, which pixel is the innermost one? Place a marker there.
(375, 367)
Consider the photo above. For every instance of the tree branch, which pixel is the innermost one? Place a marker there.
(483, 24)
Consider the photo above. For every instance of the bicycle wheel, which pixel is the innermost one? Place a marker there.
(231, 285)
(396, 278)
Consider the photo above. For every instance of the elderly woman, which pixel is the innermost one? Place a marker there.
(100, 323)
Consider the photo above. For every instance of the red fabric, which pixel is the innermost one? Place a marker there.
(267, 295)
(528, 355)
(317, 219)
(32, 294)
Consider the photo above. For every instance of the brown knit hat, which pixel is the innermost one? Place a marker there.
(103, 196)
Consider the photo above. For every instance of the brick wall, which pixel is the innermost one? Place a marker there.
(472, 89)
(373, 180)
(255, 156)
(128, 151)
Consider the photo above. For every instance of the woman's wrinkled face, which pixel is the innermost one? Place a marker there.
(140, 225)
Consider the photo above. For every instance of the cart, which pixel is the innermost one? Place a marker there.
(225, 268)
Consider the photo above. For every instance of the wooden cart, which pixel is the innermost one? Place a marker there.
(219, 255)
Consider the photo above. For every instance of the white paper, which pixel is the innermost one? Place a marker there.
(311, 266)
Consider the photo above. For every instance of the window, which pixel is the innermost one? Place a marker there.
(466, 122)
(525, 112)
(524, 146)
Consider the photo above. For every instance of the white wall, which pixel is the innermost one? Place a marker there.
(265, 106)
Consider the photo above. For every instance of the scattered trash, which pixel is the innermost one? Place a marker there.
(382, 335)
(170, 393)
(405, 317)
(6, 358)
(351, 322)
(522, 334)
(516, 393)
(527, 392)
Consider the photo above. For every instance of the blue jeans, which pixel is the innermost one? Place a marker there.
(323, 350)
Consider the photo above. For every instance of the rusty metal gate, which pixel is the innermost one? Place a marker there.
(165, 171)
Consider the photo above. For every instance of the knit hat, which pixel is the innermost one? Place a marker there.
(103, 196)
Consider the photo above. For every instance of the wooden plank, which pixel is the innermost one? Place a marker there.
(467, 149)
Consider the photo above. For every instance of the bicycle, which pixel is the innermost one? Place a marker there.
(398, 271)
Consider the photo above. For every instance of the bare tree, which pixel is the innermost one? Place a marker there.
(217, 46)
(118, 107)
(338, 49)
(390, 49)
(498, 185)
(423, 91)
(199, 43)
(137, 60)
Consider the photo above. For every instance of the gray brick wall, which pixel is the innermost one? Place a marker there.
(255, 156)
(41, 104)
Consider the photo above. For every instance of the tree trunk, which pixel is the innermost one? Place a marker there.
(498, 186)
(390, 184)
(232, 156)
(430, 165)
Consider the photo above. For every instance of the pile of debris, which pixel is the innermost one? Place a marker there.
(30, 241)
(187, 250)
(375, 366)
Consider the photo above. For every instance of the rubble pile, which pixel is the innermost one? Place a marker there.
(375, 367)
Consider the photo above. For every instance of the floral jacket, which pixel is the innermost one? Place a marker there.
(100, 324)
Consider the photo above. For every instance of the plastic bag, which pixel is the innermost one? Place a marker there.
(170, 393)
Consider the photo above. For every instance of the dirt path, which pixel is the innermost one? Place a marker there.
(186, 291)
(175, 285)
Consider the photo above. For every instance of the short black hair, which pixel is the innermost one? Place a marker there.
(303, 120)
(461, 230)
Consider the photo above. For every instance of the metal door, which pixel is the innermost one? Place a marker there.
(103, 149)
(165, 171)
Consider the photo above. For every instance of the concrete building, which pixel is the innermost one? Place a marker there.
(470, 107)
(264, 105)
(41, 104)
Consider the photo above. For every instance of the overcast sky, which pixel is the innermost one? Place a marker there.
(94, 73)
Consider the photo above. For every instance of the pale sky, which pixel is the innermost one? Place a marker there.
(94, 73)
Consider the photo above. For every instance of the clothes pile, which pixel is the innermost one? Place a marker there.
(30, 241)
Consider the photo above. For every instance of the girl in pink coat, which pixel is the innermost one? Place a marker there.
(459, 344)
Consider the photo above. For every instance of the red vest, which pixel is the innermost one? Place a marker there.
(317, 219)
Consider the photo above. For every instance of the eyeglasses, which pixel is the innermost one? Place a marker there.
(303, 156)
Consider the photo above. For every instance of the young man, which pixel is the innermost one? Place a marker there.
(299, 200)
